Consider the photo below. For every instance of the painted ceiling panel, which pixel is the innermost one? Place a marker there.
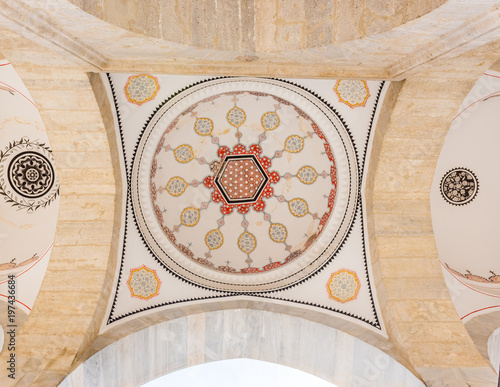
(29, 191)
(465, 214)
(244, 188)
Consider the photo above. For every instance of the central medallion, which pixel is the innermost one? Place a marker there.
(242, 184)
(241, 179)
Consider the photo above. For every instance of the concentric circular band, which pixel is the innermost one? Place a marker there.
(316, 253)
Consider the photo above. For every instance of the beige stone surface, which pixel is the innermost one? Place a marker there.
(224, 21)
(423, 320)
(439, 56)
(433, 42)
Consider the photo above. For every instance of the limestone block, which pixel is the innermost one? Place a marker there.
(436, 88)
(321, 35)
(380, 7)
(147, 18)
(414, 246)
(84, 233)
(266, 13)
(416, 288)
(405, 175)
(175, 20)
(418, 127)
(234, 25)
(293, 11)
(12, 41)
(426, 108)
(79, 141)
(403, 224)
(92, 160)
(450, 354)
(423, 310)
(36, 72)
(373, 24)
(45, 345)
(50, 378)
(85, 258)
(347, 14)
(410, 268)
(410, 148)
(407, 206)
(86, 208)
(317, 11)
(204, 26)
(64, 99)
(290, 36)
(90, 6)
(458, 376)
(67, 302)
(87, 181)
(60, 120)
(401, 198)
(50, 58)
(68, 280)
(70, 325)
(452, 331)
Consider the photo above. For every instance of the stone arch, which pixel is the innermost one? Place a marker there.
(421, 319)
(240, 333)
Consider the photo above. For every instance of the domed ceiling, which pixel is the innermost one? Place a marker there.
(244, 187)
(464, 215)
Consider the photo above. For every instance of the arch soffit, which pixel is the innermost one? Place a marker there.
(241, 333)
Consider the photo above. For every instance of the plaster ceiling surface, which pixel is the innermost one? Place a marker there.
(29, 192)
(465, 216)
(243, 187)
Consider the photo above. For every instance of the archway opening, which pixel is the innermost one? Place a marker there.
(239, 372)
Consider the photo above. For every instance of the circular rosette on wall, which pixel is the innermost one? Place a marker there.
(27, 175)
(244, 184)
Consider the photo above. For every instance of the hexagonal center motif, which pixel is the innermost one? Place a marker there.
(241, 179)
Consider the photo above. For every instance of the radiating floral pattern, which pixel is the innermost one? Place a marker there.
(343, 286)
(236, 191)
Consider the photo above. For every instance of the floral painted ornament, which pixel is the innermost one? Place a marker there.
(30, 183)
(234, 178)
(143, 283)
(140, 89)
(343, 286)
(353, 93)
(459, 186)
